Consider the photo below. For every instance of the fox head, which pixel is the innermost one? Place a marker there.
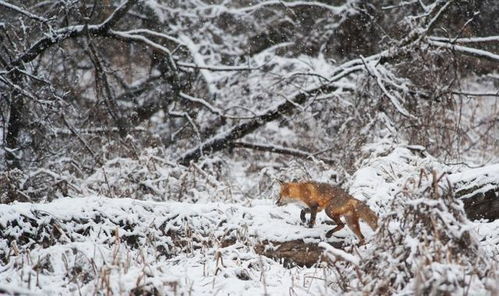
(284, 197)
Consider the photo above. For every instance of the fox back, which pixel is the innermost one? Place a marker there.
(311, 194)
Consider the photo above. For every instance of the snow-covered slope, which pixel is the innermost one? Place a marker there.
(95, 244)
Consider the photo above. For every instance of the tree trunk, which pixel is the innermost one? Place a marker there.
(14, 126)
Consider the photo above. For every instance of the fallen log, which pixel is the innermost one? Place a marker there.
(294, 252)
(479, 191)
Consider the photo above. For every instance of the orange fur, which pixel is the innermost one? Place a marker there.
(335, 201)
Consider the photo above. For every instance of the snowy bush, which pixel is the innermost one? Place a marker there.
(424, 245)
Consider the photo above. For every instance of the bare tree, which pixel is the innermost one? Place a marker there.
(82, 82)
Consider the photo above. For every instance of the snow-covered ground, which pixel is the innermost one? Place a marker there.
(96, 244)
(155, 256)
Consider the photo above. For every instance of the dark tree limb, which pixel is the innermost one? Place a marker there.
(224, 139)
(15, 126)
(72, 32)
(16, 67)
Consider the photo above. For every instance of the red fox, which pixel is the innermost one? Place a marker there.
(336, 202)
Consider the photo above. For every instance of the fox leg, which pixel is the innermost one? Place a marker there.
(339, 225)
(313, 214)
(353, 224)
(303, 213)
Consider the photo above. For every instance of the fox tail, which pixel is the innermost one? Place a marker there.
(366, 214)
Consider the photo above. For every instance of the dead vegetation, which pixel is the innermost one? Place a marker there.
(424, 244)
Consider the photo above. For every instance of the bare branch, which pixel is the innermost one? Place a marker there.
(224, 139)
(473, 94)
(101, 77)
(217, 68)
(120, 12)
(188, 117)
(92, 131)
(139, 38)
(281, 150)
(23, 11)
(71, 32)
(82, 141)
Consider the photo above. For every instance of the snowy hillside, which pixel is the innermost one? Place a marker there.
(86, 245)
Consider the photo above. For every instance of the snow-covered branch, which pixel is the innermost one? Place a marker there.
(474, 52)
(217, 68)
(282, 150)
(23, 11)
(59, 35)
(486, 39)
(393, 97)
(293, 4)
(18, 88)
(216, 10)
(433, 13)
(474, 94)
(210, 107)
(151, 33)
(224, 139)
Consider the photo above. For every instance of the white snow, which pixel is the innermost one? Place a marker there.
(194, 270)
(93, 236)
(339, 253)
